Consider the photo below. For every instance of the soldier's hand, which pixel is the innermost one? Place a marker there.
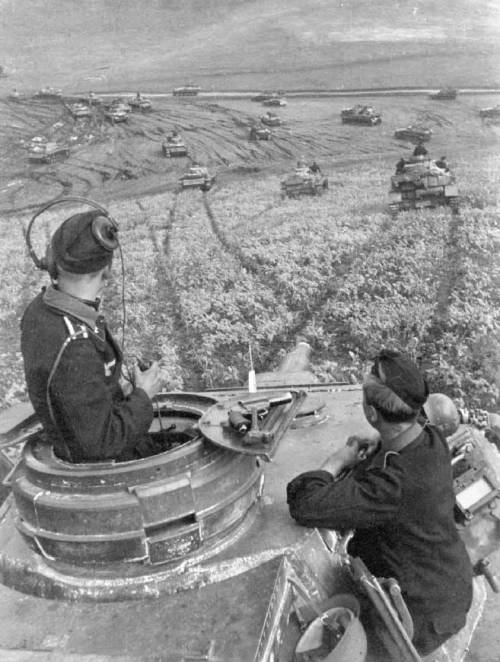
(362, 446)
(150, 380)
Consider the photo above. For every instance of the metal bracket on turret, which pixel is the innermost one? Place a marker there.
(253, 425)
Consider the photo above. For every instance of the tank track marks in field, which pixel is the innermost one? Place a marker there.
(168, 294)
(451, 273)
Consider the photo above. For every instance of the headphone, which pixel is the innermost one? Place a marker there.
(104, 231)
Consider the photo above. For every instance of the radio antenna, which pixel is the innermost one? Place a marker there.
(252, 382)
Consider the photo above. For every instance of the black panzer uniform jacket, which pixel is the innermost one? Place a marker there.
(401, 507)
(95, 421)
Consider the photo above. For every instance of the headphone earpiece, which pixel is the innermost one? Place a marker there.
(104, 229)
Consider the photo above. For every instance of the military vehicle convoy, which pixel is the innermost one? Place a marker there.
(191, 554)
(197, 177)
(360, 114)
(414, 134)
(447, 93)
(41, 150)
(303, 182)
(419, 183)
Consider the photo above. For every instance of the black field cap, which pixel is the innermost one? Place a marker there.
(402, 376)
(75, 247)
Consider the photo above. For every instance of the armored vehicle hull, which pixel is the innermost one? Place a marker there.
(197, 178)
(414, 134)
(173, 148)
(298, 184)
(47, 152)
(421, 185)
(259, 133)
(360, 115)
(274, 101)
(141, 105)
(491, 114)
(191, 554)
(187, 91)
(271, 120)
(447, 93)
(80, 110)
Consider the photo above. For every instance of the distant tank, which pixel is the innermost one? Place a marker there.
(414, 134)
(492, 113)
(140, 103)
(191, 554)
(274, 101)
(444, 94)
(188, 90)
(271, 119)
(259, 133)
(303, 182)
(264, 96)
(421, 183)
(117, 111)
(41, 150)
(360, 114)
(79, 110)
(197, 177)
(174, 146)
(49, 93)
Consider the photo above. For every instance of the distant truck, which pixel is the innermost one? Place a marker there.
(41, 150)
(197, 177)
(444, 94)
(188, 90)
(360, 114)
(421, 182)
(414, 134)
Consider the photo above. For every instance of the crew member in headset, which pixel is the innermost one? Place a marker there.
(72, 363)
(399, 499)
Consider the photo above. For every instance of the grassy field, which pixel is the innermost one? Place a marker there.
(206, 275)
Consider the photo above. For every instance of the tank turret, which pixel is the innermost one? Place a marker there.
(191, 554)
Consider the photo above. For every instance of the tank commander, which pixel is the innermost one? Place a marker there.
(314, 169)
(398, 496)
(420, 150)
(73, 365)
(400, 166)
(442, 163)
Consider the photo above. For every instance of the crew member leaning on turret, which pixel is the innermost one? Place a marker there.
(73, 364)
(398, 496)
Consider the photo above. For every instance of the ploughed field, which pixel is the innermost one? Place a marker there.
(207, 274)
